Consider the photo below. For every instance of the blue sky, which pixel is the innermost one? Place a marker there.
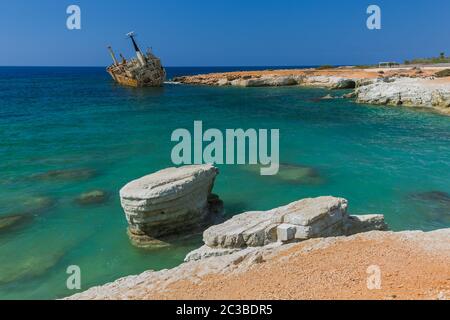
(223, 32)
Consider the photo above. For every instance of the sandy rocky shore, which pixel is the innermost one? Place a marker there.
(405, 86)
(309, 249)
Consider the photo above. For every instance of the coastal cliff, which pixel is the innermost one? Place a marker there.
(309, 249)
(412, 86)
(410, 92)
(413, 265)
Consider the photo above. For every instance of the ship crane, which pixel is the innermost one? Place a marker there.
(139, 54)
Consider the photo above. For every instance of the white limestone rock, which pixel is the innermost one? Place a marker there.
(248, 229)
(286, 232)
(207, 252)
(170, 201)
(266, 81)
(364, 223)
(298, 221)
(141, 286)
(223, 82)
(407, 92)
(311, 218)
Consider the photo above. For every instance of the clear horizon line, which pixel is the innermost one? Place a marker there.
(191, 66)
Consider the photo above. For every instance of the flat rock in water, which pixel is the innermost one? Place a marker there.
(170, 202)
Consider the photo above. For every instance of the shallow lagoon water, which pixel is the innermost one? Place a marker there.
(379, 158)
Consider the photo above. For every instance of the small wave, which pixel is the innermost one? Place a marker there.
(171, 82)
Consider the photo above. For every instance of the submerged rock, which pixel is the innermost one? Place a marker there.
(299, 174)
(33, 266)
(92, 198)
(435, 196)
(34, 205)
(29, 209)
(28, 266)
(144, 241)
(298, 221)
(69, 174)
(170, 202)
(436, 205)
(293, 173)
(11, 221)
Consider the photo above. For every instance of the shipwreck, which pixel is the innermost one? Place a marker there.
(144, 70)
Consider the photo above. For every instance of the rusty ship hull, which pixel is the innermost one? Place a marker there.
(144, 70)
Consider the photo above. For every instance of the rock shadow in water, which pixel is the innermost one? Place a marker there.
(32, 207)
(436, 203)
(30, 266)
(237, 207)
(93, 198)
(14, 221)
(66, 175)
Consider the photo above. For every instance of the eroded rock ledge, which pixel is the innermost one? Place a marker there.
(297, 252)
(301, 220)
(414, 265)
(170, 202)
(332, 82)
(405, 92)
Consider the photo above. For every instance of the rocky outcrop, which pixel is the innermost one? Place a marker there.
(394, 86)
(305, 219)
(414, 265)
(256, 255)
(331, 82)
(406, 92)
(170, 201)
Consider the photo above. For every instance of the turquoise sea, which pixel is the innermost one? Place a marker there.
(98, 135)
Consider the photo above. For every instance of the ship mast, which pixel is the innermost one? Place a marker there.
(113, 56)
(139, 54)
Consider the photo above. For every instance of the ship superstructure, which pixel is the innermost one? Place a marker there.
(144, 70)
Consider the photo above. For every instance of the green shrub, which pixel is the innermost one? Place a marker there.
(325, 67)
(443, 73)
(441, 59)
(364, 66)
